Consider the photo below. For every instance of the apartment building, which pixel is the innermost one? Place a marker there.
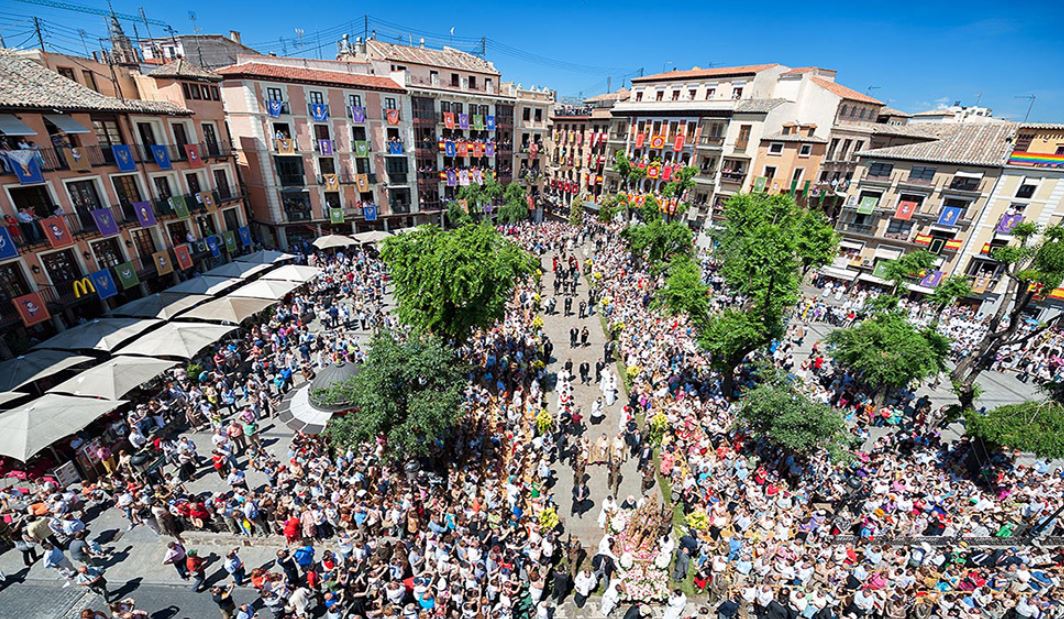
(1029, 188)
(463, 120)
(107, 194)
(532, 120)
(211, 51)
(322, 148)
(577, 149)
(929, 194)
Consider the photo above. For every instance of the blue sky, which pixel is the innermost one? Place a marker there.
(916, 55)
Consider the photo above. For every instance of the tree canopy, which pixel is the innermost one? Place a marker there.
(478, 196)
(450, 283)
(409, 392)
(788, 419)
(1036, 427)
(887, 351)
(684, 291)
(576, 212)
(514, 204)
(658, 242)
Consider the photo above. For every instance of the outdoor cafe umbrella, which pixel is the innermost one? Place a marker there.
(241, 270)
(34, 426)
(104, 334)
(11, 396)
(202, 284)
(234, 310)
(371, 236)
(164, 305)
(293, 273)
(114, 378)
(35, 365)
(265, 256)
(333, 241)
(266, 289)
(177, 339)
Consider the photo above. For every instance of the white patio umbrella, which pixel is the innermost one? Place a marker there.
(333, 241)
(266, 289)
(233, 310)
(265, 256)
(371, 236)
(162, 305)
(35, 365)
(184, 340)
(104, 334)
(293, 273)
(202, 284)
(114, 378)
(241, 270)
(34, 426)
(11, 396)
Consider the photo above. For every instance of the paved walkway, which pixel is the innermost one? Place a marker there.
(584, 523)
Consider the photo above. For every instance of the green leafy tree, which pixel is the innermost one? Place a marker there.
(450, 283)
(1035, 427)
(650, 211)
(1034, 263)
(887, 352)
(767, 242)
(788, 419)
(659, 242)
(515, 204)
(457, 216)
(684, 291)
(947, 292)
(908, 267)
(631, 174)
(576, 212)
(407, 391)
(683, 180)
(480, 196)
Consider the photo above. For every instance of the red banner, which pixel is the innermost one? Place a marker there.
(56, 231)
(666, 172)
(393, 117)
(184, 256)
(31, 308)
(193, 156)
(478, 149)
(906, 210)
(677, 145)
(639, 139)
(462, 148)
(448, 120)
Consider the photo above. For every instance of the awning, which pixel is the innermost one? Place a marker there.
(233, 310)
(333, 241)
(114, 378)
(204, 285)
(963, 174)
(868, 277)
(293, 273)
(851, 245)
(35, 365)
(184, 340)
(265, 256)
(241, 270)
(843, 274)
(11, 125)
(163, 305)
(66, 123)
(920, 289)
(11, 396)
(28, 429)
(370, 236)
(266, 289)
(887, 253)
(104, 334)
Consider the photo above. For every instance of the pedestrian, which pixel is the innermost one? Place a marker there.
(28, 547)
(584, 334)
(585, 372)
(92, 579)
(583, 587)
(235, 567)
(175, 556)
(223, 597)
(56, 560)
(573, 335)
(568, 306)
(197, 570)
(583, 309)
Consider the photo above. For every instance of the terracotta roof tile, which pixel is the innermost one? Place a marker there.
(799, 70)
(184, 68)
(446, 57)
(284, 73)
(972, 143)
(700, 73)
(843, 91)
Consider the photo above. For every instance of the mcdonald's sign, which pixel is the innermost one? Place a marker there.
(82, 287)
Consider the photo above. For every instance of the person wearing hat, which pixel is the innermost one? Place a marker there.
(196, 568)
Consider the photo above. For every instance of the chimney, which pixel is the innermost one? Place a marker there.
(421, 43)
(234, 36)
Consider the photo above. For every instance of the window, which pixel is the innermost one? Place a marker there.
(899, 228)
(90, 80)
(1026, 190)
(146, 133)
(144, 242)
(455, 81)
(108, 253)
(770, 172)
(273, 94)
(711, 92)
(193, 182)
(857, 147)
(66, 72)
(221, 182)
(676, 94)
(921, 174)
(692, 94)
(456, 107)
(639, 95)
(193, 91)
(805, 150)
(744, 137)
(775, 148)
(107, 134)
(473, 82)
(354, 100)
(880, 169)
(61, 266)
(389, 103)
(434, 78)
(487, 84)
(737, 92)
(659, 95)
(315, 96)
(797, 176)
(84, 196)
(12, 281)
(964, 183)
(126, 189)
(527, 114)
(831, 149)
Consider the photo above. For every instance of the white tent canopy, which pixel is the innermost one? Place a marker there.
(266, 289)
(28, 429)
(265, 256)
(114, 378)
(371, 236)
(332, 241)
(104, 334)
(241, 270)
(163, 305)
(35, 365)
(293, 273)
(233, 310)
(11, 396)
(204, 285)
(177, 339)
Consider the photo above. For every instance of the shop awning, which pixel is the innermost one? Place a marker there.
(851, 245)
(293, 273)
(868, 277)
(241, 270)
(843, 274)
(162, 305)
(887, 254)
(265, 256)
(183, 340)
(233, 310)
(334, 241)
(35, 365)
(104, 334)
(35, 426)
(266, 289)
(963, 174)
(66, 123)
(114, 378)
(12, 126)
(204, 285)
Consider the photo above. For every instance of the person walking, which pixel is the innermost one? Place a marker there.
(92, 579)
(56, 560)
(28, 547)
(235, 567)
(197, 570)
(223, 597)
(175, 556)
(584, 334)
(573, 335)
(583, 587)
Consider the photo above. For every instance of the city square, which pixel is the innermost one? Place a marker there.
(344, 325)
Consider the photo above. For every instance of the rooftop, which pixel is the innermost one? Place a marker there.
(912, 131)
(700, 73)
(755, 106)
(617, 95)
(183, 68)
(282, 73)
(25, 84)
(779, 136)
(844, 92)
(446, 57)
(890, 111)
(983, 144)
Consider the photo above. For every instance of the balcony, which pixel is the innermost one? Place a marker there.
(710, 142)
(394, 147)
(965, 185)
(426, 117)
(733, 176)
(865, 229)
(397, 178)
(291, 180)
